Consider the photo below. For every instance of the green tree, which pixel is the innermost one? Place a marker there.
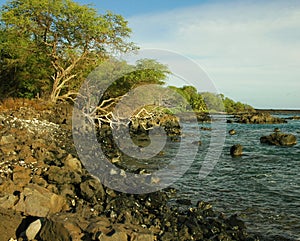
(213, 101)
(145, 71)
(72, 38)
(23, 71)
(193, 99)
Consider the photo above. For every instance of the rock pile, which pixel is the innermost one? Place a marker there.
(46, 194)
(279, 139)
(259, 118)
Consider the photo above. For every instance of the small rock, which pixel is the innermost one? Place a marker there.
(33, 229)
(92, 190)
(21, 175)
(73, 164)
(7, 140)
(8, 201)
(199, 143)
(232, 132)
(61, 175)
(205, 128)
(118, 236)
(276, 129)
(236, 150)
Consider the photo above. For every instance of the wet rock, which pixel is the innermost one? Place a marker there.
(205, 128)
(236, 150)
(293, 118)
(279, 139)
(276, 129)
(259, 118)
(232, 132)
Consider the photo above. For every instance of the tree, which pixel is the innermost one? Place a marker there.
(73, 38)
(114, 79)
(213, 101)
(23, 71)
(145, 71)
(193, 99)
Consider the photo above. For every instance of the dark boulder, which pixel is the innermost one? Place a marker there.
(259, 118)
(236, 150)
(279, 139)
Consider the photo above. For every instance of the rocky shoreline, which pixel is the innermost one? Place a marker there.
(46, 193)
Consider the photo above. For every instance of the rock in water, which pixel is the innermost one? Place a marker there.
(276, 129)
(279, 139)
(259, 118)
(236, 150)
(232, 132)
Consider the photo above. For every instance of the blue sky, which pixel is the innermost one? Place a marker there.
(250, 49)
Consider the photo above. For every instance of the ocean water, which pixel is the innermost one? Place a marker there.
(262, 186)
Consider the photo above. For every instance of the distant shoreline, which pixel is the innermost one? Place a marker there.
(280, 111)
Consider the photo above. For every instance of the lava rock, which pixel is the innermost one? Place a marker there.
(259, 118)
(279, 139)
(232, 132)
(40, 202)
(236, 150)
(92, 190)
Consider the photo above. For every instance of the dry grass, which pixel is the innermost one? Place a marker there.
(17, 103)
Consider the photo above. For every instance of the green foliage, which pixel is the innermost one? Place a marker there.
(194, 101)
(53, 45)
(235, 107)
(145, 71)
(208, 102)
(213, 101)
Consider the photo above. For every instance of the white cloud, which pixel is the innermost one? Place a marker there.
(253, 44)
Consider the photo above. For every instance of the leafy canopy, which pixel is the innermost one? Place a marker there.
(67, 39)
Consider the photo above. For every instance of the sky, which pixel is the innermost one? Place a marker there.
(249, 48)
